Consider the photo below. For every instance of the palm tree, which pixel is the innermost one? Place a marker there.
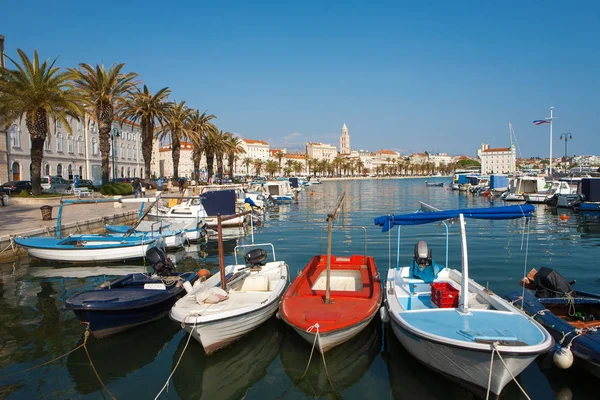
(297, 167)
(38, 92)
(211, 144)
(234, 147)
(360, 165)
(247, 162)
(279, 155)
(198, 127)
(102, 94)
(148, 109)
(258, 165)
(221, 147)
(271, 167)
(175, 128)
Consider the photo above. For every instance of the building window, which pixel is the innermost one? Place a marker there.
(47, 144)
(80, 144)
(16, 171)
(134, 153)
(122, 172)
(70, 144)
(59, 142)
(80, 172)
(59, 170)
(128, 152)
(94, 147)
(15, 135)
(129, 172)
(122, 150)
(70, 171)
(47, 170)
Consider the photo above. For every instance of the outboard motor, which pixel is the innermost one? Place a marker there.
(255, 257)
(422, 254)
(159, 261)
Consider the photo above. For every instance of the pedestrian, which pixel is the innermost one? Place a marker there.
(136, 188)
(143, 188)
(159, 184)
(181, 183)
(169, 185)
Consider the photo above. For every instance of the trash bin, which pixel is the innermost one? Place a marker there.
(46, 213)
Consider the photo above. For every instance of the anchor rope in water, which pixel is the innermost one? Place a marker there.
(86, 335)
(496, 351)
(166, 385)
(317, 340)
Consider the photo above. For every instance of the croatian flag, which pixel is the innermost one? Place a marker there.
(542, 121)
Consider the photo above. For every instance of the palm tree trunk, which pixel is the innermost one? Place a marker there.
(220, 165)
(38, 128)
(231, 162)
(210, 160)
(147, 138)
(176, 152)
(197, 156)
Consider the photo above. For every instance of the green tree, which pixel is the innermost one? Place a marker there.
(148, 109)
(39, 92)
(246, 163)
(258, 166)
(102, 94)
(271, 167)
(466, 163)
(199, 126)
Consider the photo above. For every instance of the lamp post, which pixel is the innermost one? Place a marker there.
(566, 136)
(114, 137)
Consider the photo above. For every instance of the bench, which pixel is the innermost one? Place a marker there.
(82, 192)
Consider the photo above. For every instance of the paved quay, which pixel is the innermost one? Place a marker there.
(26, 220)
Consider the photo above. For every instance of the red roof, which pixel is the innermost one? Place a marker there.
(185, 146)
(497, 149)
(297, 156)
(388, 152)
(252, 141)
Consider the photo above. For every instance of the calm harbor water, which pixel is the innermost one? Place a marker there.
(270, 362)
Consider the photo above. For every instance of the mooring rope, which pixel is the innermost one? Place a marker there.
(318, 340)
(166, 385)
(496, 351)
(579, 332)
(86, 335)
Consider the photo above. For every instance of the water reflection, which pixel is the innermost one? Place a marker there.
(116, 356)
(230, 372)
(346, 364)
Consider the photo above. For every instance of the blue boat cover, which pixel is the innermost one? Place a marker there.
(420, 218)
(218, 202)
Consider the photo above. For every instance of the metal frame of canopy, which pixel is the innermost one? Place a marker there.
(432, 214)
(141, 213)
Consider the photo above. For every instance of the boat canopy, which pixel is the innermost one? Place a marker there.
(419, 218)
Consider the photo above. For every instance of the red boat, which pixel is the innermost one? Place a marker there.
(334, 298)
(355, 298)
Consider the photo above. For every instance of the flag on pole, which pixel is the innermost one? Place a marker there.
(542, 121)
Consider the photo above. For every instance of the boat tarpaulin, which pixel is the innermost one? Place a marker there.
(419, 218)
(218, 202)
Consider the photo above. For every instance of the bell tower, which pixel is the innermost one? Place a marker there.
(345, 141)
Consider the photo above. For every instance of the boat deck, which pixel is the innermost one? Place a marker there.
(355, 294)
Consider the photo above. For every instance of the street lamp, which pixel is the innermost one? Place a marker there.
(114, 137)
(566, 136)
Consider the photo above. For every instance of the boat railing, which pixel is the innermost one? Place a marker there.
(245, 246)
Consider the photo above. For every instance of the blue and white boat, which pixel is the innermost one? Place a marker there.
(133, 299)
(174, 234)
(448, 321)
(280, 191)
(82, 248)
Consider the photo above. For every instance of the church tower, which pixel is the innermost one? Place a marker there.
(345, 141)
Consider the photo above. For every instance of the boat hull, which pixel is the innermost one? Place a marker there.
(215, 335)
(91, 255)
(329, 340)
(463, 364)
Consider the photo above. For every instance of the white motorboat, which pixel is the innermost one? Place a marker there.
(217, 317)
(555, 188)
(448, 321)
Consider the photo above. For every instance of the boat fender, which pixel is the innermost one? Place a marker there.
(563, 357)
(278, 315)
(203, 274)
(187, 286)
(385, 317)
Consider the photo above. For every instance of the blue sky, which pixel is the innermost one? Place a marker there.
(410, 76)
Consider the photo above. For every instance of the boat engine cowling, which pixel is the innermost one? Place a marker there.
(422, 254)
(255, 257)
(159, 262)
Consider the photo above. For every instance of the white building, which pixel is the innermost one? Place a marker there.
(255, 149)
(440, 159)
(162, 160)
(321, 151)
(497, 160)
(77, 152)
(345, 141)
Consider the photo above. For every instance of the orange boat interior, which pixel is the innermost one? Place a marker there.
(355, 293)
